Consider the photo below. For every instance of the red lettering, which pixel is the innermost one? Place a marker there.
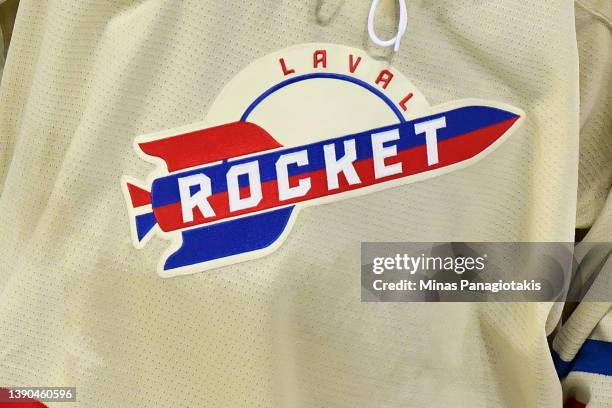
(353, 64)
(284, 67)
(319, 57)
(402, 103)
(384, 78)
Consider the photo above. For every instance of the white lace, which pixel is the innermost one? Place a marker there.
(401, 27)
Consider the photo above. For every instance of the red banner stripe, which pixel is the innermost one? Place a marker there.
(210, 145)
(573, 403)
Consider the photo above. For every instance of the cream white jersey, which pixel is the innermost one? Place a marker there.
(86, 81)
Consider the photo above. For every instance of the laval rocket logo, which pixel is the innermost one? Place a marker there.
(309, 125)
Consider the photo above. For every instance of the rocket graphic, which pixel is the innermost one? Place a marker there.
(244, 189)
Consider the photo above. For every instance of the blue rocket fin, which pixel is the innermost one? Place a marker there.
(229, 238)
(144, 224)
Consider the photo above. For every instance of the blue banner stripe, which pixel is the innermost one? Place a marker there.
(229, 238)
(459, 122)
(595, 356)
(561, 366)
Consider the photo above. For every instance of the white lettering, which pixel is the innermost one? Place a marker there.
(285, 192)
(380, 153)
(199, 199)
(251, 170)
(430, 128)
(334, 166)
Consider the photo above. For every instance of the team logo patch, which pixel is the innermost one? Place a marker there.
(306, 126)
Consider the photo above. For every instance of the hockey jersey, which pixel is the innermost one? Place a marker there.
(80, 306)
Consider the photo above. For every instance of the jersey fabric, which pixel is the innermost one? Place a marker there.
(583, 345)
(80, 306)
